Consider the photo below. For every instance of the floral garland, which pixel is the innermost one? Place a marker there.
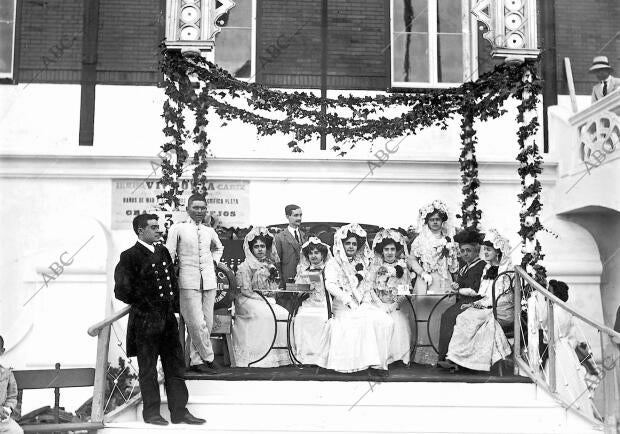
(470, 213)
(529, 168)
(271, 111)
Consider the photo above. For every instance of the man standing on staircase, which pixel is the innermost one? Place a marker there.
(144, 278)
(197, 249)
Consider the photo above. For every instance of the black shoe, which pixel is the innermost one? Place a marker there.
(156, 420)
(189, 419)
(203, 368)
(214, 365)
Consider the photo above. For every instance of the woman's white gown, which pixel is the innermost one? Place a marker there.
(354, 339)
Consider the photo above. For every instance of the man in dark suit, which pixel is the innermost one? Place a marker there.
(288, 245)
(145, 279)
(465, 286)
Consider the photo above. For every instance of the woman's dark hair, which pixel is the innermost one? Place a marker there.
(310, 247)
(386, 242)
(267, 239)
(559, 289)
(360, 240)
(490, 244)
(442, 215)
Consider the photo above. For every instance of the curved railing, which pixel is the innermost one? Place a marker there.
(590, 389)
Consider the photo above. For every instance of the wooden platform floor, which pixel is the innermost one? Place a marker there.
(414, 373)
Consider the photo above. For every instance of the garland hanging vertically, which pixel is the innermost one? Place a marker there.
(470, 213)
(529, 168)
(176, 155)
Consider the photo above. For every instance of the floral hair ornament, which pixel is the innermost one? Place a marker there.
(431, 208)
(499, 243)
(393, 235)
(315, 241)
(272, 254)
(304, 263)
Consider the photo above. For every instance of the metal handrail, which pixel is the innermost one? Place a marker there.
(96, 328)
(566, 307)
(611, 413)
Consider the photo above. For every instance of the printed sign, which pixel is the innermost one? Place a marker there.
(228, 201)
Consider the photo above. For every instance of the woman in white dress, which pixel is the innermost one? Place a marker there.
(571, 375)
(389, 278)
(357, 337)
(253, 326)
(312, 314)
(478, 340)
(434, 256)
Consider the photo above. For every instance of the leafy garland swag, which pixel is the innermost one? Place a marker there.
(298, 114)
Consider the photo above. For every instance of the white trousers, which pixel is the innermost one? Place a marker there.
(197, 311)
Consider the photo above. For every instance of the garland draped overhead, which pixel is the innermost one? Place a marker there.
(350, 119)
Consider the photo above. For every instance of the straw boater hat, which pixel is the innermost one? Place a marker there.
(600, 62)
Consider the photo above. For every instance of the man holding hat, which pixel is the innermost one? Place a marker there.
(465, 285)
(606, 83)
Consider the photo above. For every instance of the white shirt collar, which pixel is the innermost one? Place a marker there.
(607, 80)
(148, 246)
(292, 231)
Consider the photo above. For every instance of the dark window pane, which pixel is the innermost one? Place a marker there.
(7, 9)
(410, 15)
(449, 16)
(410, 52)
(450, 58)
(241, 14)
(233, 51)
(6, 47)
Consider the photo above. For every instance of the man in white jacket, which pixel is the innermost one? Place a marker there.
(197, 249)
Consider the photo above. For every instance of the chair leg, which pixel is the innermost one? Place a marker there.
(231, 353)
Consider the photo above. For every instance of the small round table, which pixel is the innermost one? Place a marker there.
(288, 322)
(411, 298)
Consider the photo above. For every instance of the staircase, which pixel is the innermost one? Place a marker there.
(305, 407)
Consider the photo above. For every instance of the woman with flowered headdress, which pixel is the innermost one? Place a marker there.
(253, 326)
(358, 335)
(433, 253)
(478, 340)
(312, 314)
(388, 276)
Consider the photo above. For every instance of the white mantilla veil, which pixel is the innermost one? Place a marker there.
(447, 229)
(362, 256)
(304, 263)
(502, 244)
(250, 259)
(393, 235)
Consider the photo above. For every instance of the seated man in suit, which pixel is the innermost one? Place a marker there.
(144, 278)
(606, 83)
(288, 245)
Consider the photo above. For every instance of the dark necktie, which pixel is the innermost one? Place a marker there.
(605, 88)
(297, 236)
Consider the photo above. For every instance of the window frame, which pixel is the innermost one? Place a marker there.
(10, 77)
(253, 59)
(469, 48)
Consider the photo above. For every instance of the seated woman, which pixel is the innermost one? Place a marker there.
(465, 286)
(433, 254)
(312, 314)
(358, 335)
(478, 340)
(388, 277)
(254, 325)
